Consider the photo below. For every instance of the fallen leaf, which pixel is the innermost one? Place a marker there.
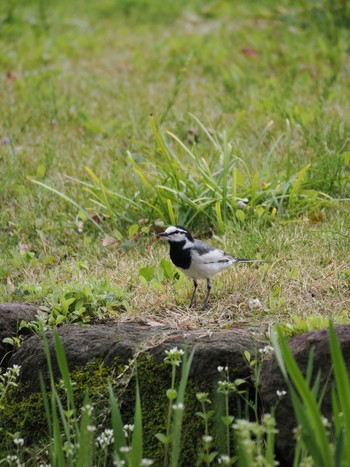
(11, 75)
(154, 323)
(80, 226)
(23, 247)
(248, 52)
(10, 287)
(192, 136)
(110, 242)
(317, 217)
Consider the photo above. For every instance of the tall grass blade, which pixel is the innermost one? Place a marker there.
(71, 201)
(219, 218)
(307, 410)
(117, 422)
(84, 455)
(46, 404)
(63, 366)
(137, 436)
(297, 184)
(57, 450)
(178, 415)
(342, 386)
(208, 134)
(171, 212)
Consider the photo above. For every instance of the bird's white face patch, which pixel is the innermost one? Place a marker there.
(174, 234)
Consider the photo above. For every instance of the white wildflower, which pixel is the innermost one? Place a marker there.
(207, 439)
(18, 441)
(224, 459)
(145, 462)
(179, 406)
(265, 350)
(125, 449)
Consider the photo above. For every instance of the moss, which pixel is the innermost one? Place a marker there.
(154, 380)
(24, 415)
(27, 416)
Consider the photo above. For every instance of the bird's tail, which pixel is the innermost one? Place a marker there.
(246, 260)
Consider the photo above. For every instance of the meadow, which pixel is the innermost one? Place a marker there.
(122, 117)
(247, 142)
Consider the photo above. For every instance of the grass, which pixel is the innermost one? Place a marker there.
(262, 87)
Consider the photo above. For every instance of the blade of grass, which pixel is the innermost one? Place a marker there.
(297, 184)
(311, 415)
(117, 422)
(84, 455)
(63, 366)
(178, 416)
(137, 436)
(342, 386)
(70, 200)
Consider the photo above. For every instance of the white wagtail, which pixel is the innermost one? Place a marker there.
(197, 259)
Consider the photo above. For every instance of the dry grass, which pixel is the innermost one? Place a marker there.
(307, 275)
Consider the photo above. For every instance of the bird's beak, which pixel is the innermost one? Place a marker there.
(162, 236)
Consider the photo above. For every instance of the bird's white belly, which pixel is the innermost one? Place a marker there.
(205, 271)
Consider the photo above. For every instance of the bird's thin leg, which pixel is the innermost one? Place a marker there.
(194, 292)
(207, 296)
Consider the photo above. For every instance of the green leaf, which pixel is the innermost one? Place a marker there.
(148, 273)
(49, 260)
(137, 436)
(240, 215)
(117, 422)
(133, 229)
(247, 355)
(163, 438)
(227, 419)
(171, 212)
(84, 456)
(297, 183)
(167, 268)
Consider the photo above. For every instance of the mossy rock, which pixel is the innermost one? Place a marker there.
(26, 414)
(120, 360)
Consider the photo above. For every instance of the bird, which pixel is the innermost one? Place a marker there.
(197, 259)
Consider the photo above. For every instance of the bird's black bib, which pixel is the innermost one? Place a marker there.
(179, 256)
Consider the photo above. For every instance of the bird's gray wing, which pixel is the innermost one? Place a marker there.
(205, 253)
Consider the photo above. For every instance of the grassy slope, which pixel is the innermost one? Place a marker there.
(77, 84)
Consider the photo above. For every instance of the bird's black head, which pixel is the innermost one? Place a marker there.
(176, 234)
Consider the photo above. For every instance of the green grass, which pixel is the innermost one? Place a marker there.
(263, 87)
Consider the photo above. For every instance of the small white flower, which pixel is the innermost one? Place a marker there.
(224, 459)
(91, 428)
(265, 350)
(125, 449)
(145, 462)
(88, 408)
(129, 427)
(254, 303)
(174, 351)
(207, 439)
(18, 441)
(220, 369)
(281, 393)
(325, 421)
(179, 406)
